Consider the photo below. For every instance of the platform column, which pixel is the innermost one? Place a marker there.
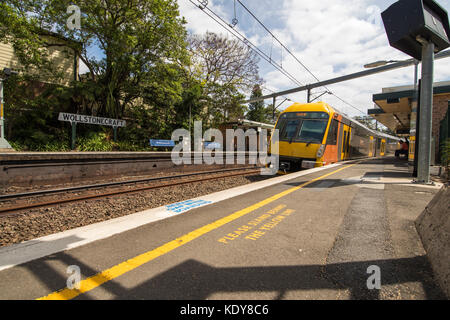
(425, 115)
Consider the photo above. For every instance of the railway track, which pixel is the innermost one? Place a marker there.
(9, 205)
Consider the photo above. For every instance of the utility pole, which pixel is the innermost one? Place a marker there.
(426, 111)
(273, 112)
(420, 29)
(415, 110)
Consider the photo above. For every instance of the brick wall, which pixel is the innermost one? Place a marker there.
(440, 107)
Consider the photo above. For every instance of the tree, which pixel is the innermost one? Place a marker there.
(224, 67)
(256, 110)
(271, 116)
(368, 121)
(134, 36)
(219, 60)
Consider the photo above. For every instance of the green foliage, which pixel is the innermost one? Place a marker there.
(32, 123)
(143, 74)
(190, 107)
(368, 121)
(48, 146)
(224, 104)
(445, 156)
(22, 31)
(95, 141)
(257, 111)
(134, 37)
(224, 66)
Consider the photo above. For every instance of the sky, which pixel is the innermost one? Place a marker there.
(330, 37)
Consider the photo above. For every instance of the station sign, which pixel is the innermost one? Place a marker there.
(162, 143)
(79, 118)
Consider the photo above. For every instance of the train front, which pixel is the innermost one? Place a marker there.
(302, 129)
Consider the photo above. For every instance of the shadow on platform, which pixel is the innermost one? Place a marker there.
(194, 280)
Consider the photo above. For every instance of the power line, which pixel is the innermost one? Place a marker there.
(289, 51)
(247, 42)
(347, 103)
(298, 60)
(252, 81)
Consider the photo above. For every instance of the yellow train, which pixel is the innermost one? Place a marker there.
(314, 135)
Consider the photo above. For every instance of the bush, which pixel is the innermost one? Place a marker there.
(445, 157)
(49, 146)
(95, 141)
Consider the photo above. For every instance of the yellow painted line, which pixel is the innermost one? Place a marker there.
(117, 270)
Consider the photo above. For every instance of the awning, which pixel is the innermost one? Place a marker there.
(393, 107)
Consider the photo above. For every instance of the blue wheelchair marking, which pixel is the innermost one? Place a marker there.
(186, 205)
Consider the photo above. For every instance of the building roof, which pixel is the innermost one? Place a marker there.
(393, 106)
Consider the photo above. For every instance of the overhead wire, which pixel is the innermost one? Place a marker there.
(252, 81)
(258, 51)
(247, 42)
(294, 56)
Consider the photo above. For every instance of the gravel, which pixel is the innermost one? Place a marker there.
(44, 221)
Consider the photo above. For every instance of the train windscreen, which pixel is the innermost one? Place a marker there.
(312, 131)
(306, 127)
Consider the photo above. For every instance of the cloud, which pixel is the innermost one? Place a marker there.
(330, 37)
(199, 22)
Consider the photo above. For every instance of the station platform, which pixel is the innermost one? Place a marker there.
(316, 234)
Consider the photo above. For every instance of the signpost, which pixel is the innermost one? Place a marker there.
(79, 118)
(420, 28)
(162, 143)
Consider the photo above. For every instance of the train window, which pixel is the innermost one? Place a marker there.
(312, 131)
(289, 129)
(332, 133)
(313, 126)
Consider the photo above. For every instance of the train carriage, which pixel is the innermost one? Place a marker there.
(314, 135)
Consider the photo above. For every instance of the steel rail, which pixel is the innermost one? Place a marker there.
(109, 184)
(9, 210)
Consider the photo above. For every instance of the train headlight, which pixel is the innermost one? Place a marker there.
(320, 151)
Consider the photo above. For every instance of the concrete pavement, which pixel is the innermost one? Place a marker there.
(313, 237)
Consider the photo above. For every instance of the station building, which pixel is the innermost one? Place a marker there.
(60, 52)
(246, 125)
(396, 108)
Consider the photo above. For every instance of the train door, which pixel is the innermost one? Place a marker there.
(371, 145)
(377, 149)
(412, 146)
(383, 147)
(346, 143)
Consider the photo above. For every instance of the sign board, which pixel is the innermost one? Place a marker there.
(212, 145)
(79, 118)
(406, 20)
(162, 143)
